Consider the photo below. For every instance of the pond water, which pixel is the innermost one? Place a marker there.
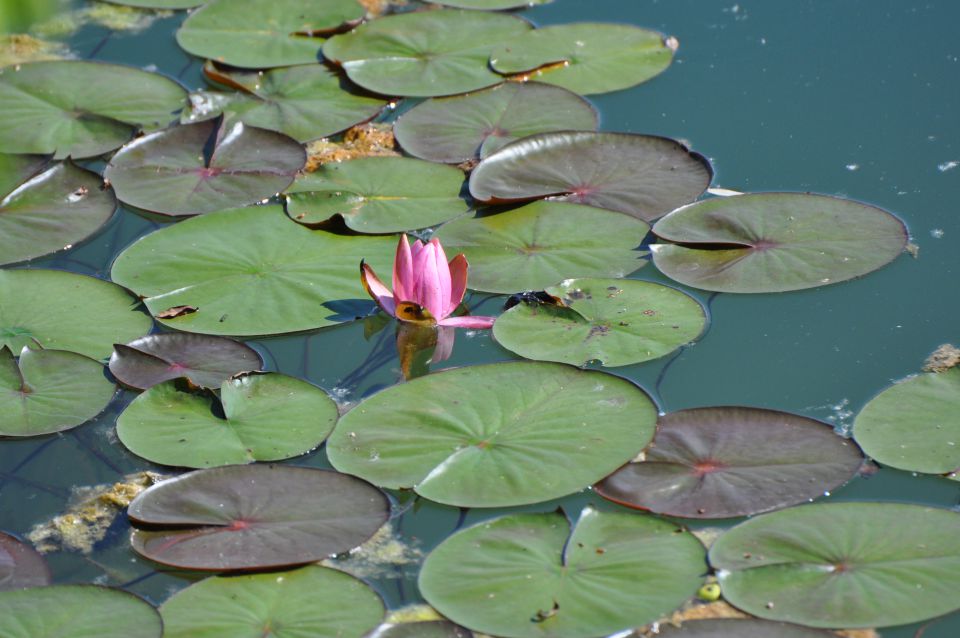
(856, 98)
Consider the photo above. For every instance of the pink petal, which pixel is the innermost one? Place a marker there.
(430, 286)
(478, 323)
(444, 348)
(420, 254)
(443, 277)
(403, 270)
(458, 279)
(375, 288)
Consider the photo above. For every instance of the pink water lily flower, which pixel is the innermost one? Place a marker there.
(426, 289)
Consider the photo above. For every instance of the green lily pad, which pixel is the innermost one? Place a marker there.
(731, 461)
(532, 247)
(257, 34)
(586, 57)
(915, 424)
(48, 207)
(465, 127)
(378, 194)
(81, 109)
(199, 168)
(311, 601)
(21, 566)
(250, 271)
(78, 611)
(843, 564)
(305, 102)
(255, 517)
(495, 435)
(425, 53)
(50, 391)
(491, 5)
(739, 628)
(614, 321)
(66, 312)
(159, 4)
(204, 360)
(641, 175)
(531, 575)
(266, 417)
(774, 242)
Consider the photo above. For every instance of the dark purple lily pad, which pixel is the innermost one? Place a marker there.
(46, 207)
(732, 461)
(641, 175)
(206, 361)
(740, 628)
(464, 127)
(200, 168)
(21, 566)
(255, 516)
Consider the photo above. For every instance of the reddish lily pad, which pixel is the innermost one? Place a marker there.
(49, 391)
(256, 34)
(21, 566)
(69, 108)
(378, 194)
(424, 53)
(641, 175)
(46, 207)
(305, 102)
(200, 168)
(255, 517)
(310, 602)
(266, 417)
(732, 461)
(206, 361)
(77, 611)
(586, 57)
(465, 127)
(775, 242)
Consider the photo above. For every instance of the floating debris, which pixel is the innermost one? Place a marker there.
(112, 16)
(942, 359)
(18, 48)
(383, 556)
(89, 515)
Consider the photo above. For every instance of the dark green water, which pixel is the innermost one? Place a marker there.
(858, 98)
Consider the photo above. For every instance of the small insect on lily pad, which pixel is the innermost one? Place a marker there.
(265, 417)
(775, 242)
(200, 168)
(205, 361)
(78, 611)
(915, 424)
(536, 575)
(306, 102)
(310, 601)
(21, 566)
(424, 53)
(466, 127)
(46, 207)
(641, 175)
(378, 194)
(732, 461)
(256, 34)
(495, 435)
(843, 564)
(81, 109)
(616, 322)
(587, 57)
(250, 271)
(49, 391)
(537, 245)
(65, 311)
(255, 517)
